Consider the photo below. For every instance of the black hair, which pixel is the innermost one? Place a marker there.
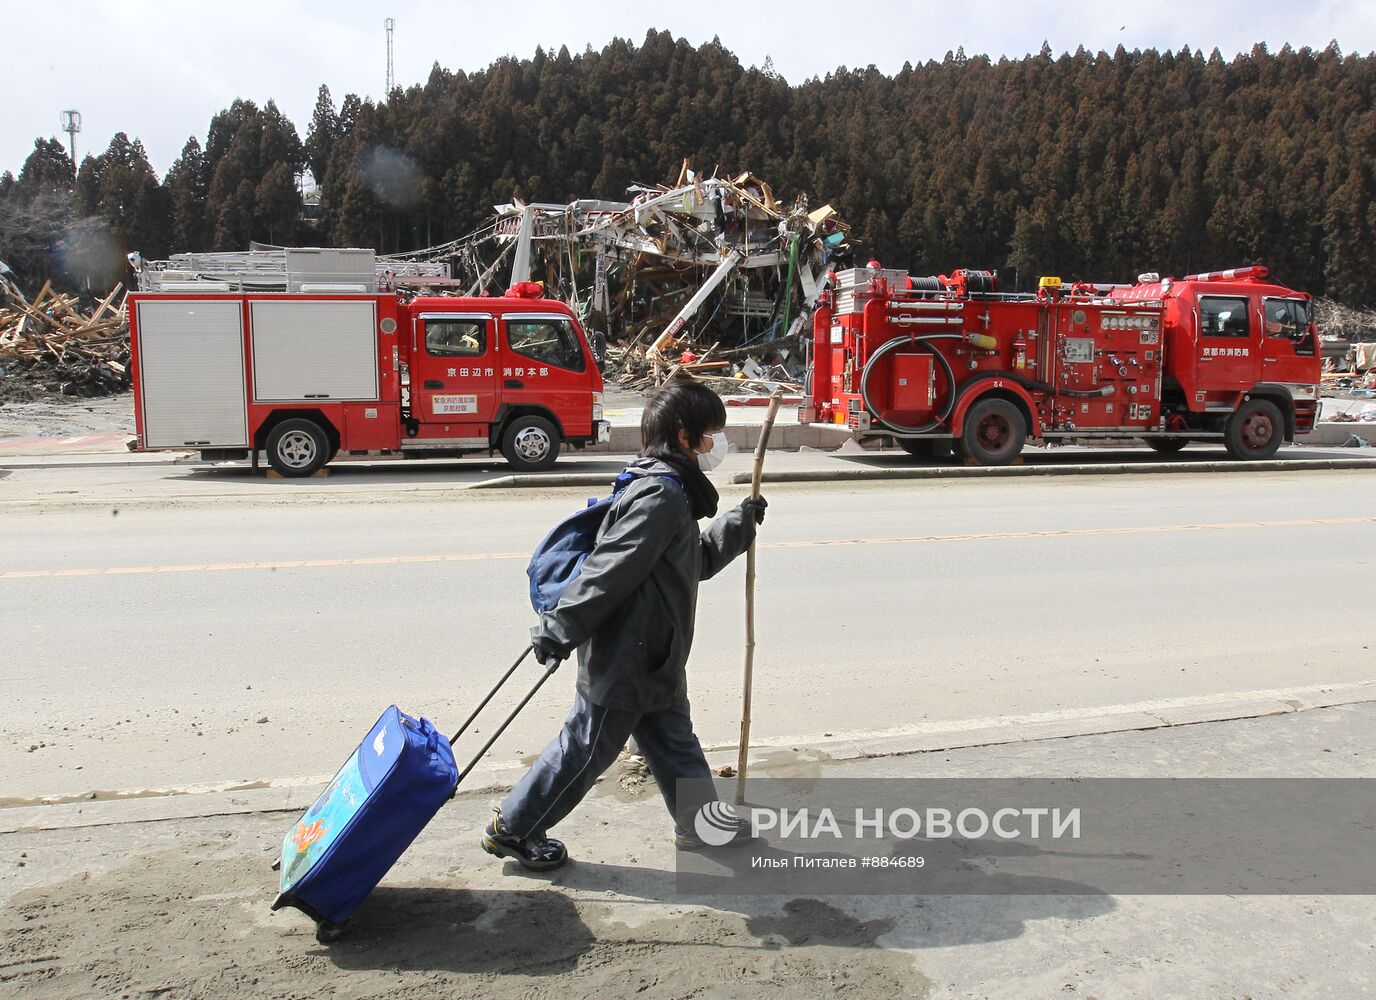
(680, 404)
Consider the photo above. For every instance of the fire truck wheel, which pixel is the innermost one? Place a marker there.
(994, 432)
(1255, 430)
(298, 448)
(530, 444)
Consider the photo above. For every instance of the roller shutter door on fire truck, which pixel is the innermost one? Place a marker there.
(191, 374)
(314, 350)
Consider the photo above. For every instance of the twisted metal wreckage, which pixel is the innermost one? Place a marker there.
(709, 261)
(714, 268)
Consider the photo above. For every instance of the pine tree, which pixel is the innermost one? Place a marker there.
(323, 133)
(188, 186)
(277, 204)
(36, 213)
(252, 157)
(120, 188)
(1350, 238)
(47, 171)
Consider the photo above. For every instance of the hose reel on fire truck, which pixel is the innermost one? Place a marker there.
(891, 346)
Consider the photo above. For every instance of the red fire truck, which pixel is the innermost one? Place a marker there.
(1225, 356)
(321, 367)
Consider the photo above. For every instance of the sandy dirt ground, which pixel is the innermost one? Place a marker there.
(181, 908)
(62, 418)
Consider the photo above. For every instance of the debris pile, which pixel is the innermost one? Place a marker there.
(52, 345)
(1348, 340)
(1340, 323)
(711, 275)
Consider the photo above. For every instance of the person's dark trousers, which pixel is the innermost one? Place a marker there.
(587, 745)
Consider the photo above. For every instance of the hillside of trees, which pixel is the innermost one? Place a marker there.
(1092, 165)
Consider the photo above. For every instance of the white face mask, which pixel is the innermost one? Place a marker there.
(709, 460)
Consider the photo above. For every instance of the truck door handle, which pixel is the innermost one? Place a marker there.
(433, 383)
(512, 383)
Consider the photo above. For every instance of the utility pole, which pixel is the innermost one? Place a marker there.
(71, 121)
(389, 24)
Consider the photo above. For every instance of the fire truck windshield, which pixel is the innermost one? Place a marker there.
(547, 339)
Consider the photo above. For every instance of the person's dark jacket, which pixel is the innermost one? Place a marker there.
(631, 609)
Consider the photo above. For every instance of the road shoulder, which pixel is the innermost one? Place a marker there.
(189, 902)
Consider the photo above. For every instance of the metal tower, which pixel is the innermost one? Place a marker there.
(389, 24)
(71, 119)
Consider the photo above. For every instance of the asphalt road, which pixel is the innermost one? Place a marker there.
(255, 637)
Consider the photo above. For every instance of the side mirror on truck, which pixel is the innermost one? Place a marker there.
(599, 350)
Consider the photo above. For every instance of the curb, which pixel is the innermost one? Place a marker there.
(114, 463)
(1014, 471)
(955, 735)
(626, 438)
(624, 441)
(539, 481)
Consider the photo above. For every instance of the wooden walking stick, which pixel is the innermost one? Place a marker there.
(760, 447)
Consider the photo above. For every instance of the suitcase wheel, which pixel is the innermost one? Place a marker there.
(326, 932)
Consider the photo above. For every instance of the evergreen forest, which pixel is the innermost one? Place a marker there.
(1088, 165)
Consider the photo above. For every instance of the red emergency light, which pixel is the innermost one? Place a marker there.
(526, 290)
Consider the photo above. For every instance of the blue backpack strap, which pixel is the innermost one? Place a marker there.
(619, 485)
(558, 559)
(621, 482)
(624, 480)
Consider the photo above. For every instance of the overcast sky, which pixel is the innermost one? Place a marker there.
(159, 71)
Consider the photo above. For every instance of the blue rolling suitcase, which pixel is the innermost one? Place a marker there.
(379, 801)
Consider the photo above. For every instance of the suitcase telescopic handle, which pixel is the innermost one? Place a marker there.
(483, 704)
(544, 676)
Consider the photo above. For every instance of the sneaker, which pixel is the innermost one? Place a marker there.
(687, 840)
(536, 854)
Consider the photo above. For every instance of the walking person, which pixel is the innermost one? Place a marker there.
(630, 615)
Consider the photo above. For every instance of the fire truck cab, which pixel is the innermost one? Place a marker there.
(1225, 356)
(1234, 342)
(306, 373)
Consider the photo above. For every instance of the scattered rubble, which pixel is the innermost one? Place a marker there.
(710, 275)
(1348, 340)
(53, 345)
(1337, 322)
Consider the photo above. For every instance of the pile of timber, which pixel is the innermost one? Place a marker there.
(727, 373)
(51, 345)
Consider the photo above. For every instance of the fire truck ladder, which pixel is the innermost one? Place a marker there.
(281, 270)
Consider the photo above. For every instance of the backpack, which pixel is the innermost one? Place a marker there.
(558, 559)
